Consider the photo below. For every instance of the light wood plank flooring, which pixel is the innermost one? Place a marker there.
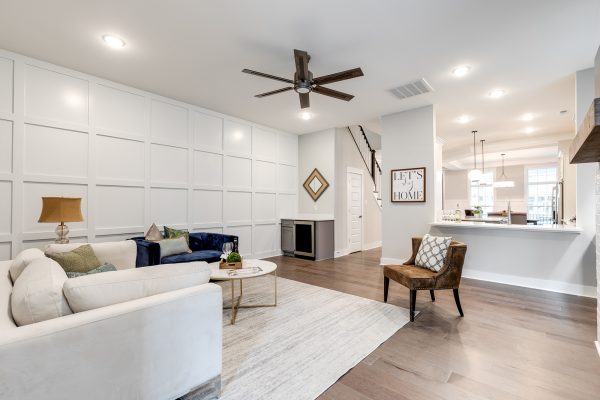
(514, 343)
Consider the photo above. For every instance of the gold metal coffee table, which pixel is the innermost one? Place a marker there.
(266, 267)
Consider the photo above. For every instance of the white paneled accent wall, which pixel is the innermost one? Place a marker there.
(134, 158)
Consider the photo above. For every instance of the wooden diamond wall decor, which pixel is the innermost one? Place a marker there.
(315, 184)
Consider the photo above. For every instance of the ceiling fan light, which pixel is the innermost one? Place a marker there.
(302, 89)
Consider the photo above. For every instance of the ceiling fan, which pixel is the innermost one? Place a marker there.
(304, 83)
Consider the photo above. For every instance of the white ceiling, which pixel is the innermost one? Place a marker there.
(194, 51)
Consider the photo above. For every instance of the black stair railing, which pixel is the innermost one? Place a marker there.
(369, 159)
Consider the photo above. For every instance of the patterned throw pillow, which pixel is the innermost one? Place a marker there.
(106, 267)
(81, 259)
(154, 234)
(432, 252)
(171, 233)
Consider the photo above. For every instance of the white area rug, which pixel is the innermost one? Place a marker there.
(296, 350)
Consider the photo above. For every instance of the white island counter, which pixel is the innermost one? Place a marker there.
(552, 257)
(494, 226)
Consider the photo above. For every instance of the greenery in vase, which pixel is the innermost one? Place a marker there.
(234, 257)
(478, 210)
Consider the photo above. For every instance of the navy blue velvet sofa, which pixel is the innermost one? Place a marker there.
(205, 246)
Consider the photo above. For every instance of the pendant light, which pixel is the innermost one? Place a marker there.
(503, 182)
(482, 181)
(474, 174)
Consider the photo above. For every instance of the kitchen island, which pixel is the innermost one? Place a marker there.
(550, 257)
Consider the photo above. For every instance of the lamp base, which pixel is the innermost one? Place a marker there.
(62, 234)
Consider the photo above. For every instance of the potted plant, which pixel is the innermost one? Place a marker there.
(234, 261)
(477, 211)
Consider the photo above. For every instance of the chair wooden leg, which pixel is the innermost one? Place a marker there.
(386, 287)
(413, 300)
(432, 295)
(457, 300)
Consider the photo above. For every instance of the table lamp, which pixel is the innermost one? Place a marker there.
(61, 210)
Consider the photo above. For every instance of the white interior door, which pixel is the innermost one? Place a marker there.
(355, 212)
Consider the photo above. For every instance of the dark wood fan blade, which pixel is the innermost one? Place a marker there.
(332, 93)
(301, 57)
(339, 76)
(277, 78)
(304, 100)
(274, 92)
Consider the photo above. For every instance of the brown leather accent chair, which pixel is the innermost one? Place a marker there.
(417, 278)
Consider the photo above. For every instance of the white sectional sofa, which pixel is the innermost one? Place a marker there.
(151, 346)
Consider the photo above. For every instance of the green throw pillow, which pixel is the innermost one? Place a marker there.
(106, 267)
(170, 247)
(171, 233)
(81, 259)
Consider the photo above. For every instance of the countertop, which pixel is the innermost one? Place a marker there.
(310, 217)
(528, 228)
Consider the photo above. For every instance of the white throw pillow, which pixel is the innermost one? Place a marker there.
(121, 254)
(38, 293)
(21, 261)
(432, 252)
(101, 290)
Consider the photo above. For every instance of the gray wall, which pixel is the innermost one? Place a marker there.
(408, 141)
(317, 150)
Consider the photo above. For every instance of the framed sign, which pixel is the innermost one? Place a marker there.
(408, 185)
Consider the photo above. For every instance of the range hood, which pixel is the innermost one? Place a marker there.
(585, 147)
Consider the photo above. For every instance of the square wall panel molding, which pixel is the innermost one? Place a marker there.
(134, 158)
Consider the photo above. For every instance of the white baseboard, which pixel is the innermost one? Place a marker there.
(533, 283)
(392, 261)
(597, 347)
(341, 253)
(373, 245)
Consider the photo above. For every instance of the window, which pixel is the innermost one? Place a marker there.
(483, 195)
(540, 184)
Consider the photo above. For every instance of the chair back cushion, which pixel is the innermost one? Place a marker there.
(22, 260)
(432, 252)
(37, 294)
(100, 290)
(121, 254)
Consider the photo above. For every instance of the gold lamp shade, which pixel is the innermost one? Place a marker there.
(61, 209)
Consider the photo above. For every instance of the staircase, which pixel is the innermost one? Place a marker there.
(368, 155)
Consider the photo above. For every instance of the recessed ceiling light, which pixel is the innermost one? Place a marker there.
(463, 119)
(497, 93)
(305, 115)
(529, 130)
(527, 117)
(460, 71)
(113, 41)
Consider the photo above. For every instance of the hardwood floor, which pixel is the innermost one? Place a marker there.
(513, 343)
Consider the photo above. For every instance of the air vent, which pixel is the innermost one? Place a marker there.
(412, 89)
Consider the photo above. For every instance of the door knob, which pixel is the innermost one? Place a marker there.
(360, 216)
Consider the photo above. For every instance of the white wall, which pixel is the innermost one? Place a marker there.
(134, 158)
(347, 155)
(408, 141)
(317, 150)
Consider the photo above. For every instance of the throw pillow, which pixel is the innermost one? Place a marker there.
(103, 268)
(21, 261)
(38, 293)
(169, 247)
(81, 259)
(154, 234)
(432, 252)
(171, 233)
